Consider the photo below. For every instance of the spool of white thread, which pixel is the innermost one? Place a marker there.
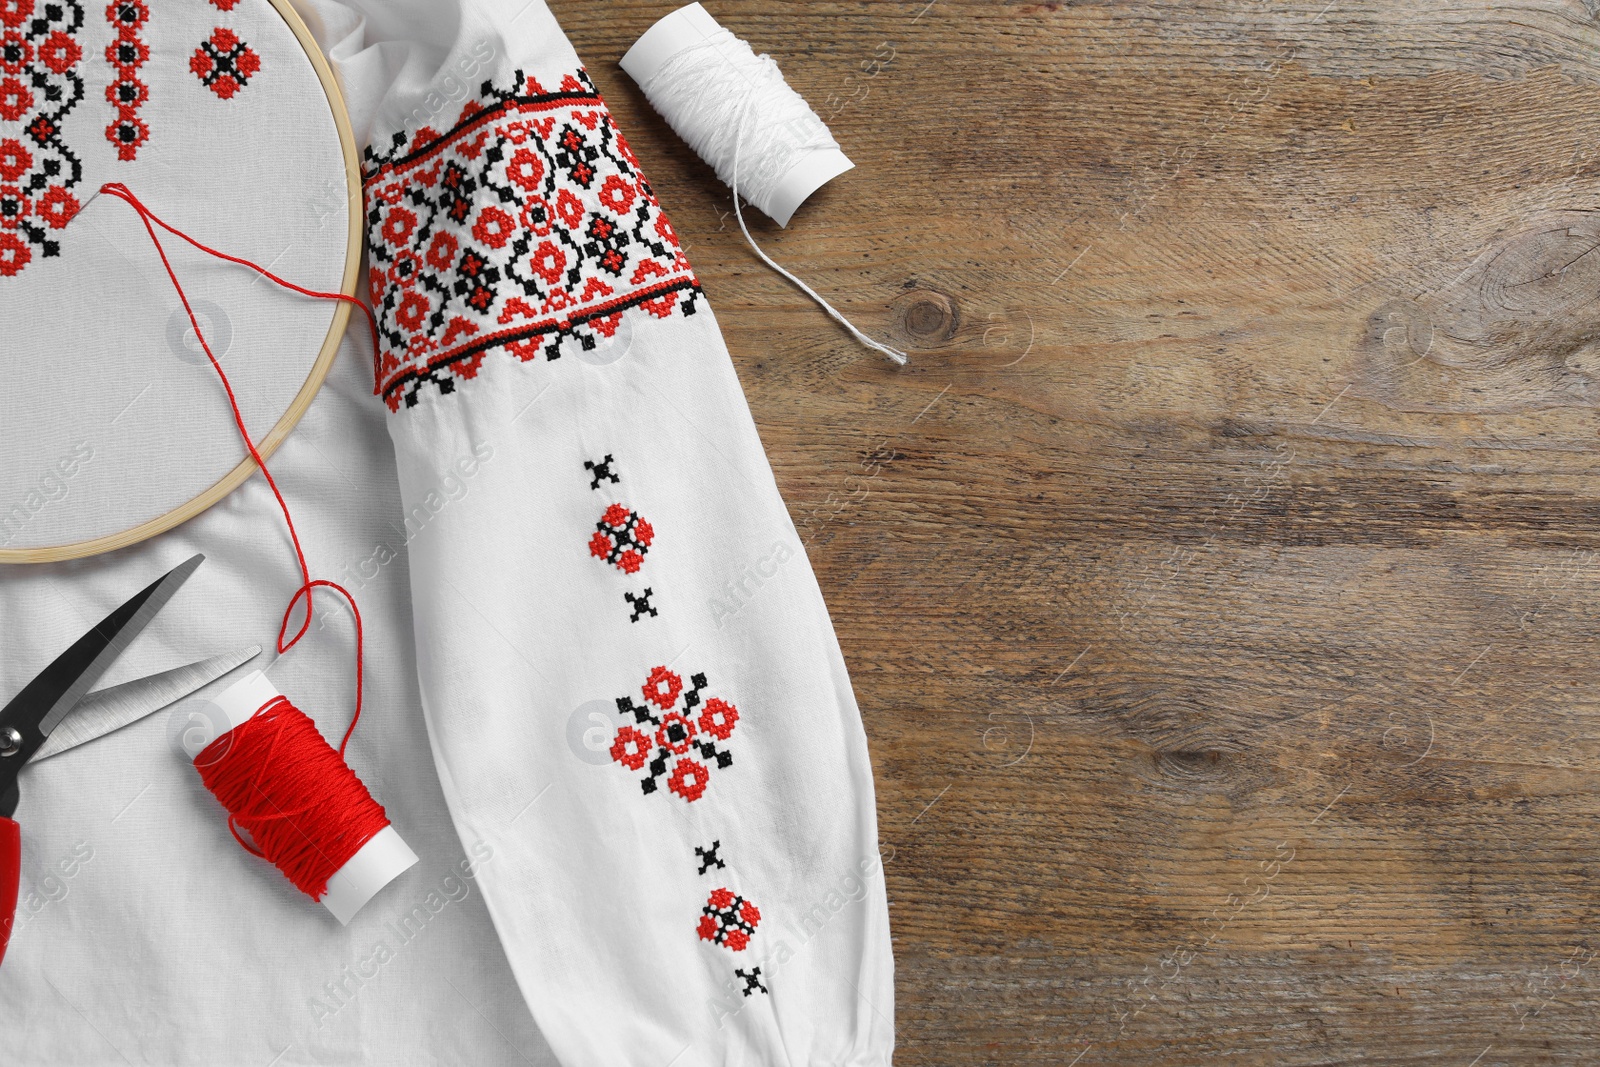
(734, 109)
(739, 115)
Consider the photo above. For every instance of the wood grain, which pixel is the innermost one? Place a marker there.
(1221, 581)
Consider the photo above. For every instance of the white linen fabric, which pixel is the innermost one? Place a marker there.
(90, 283)
(573, 559)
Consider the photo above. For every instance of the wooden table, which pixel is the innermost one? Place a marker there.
(1221, 581)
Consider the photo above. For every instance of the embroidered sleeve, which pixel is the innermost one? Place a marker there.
(630, 681)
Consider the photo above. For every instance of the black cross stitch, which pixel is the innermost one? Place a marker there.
(641, 603)
(602, 471)
(752, 981)
(708, 856)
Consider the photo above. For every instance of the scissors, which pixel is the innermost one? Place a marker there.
(59, 697)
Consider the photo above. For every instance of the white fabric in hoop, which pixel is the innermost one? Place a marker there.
(110, 415)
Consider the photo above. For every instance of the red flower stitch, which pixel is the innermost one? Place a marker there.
(600, 545)
(526, 169)
(15, 99)
(630, 748)
(616, 515)
(719, 718)
(14, 159)
(644, 533)
(398, 224)
(414, 310)
(630, 561)
(662, 688)
(441, 253)
(57, 207)
(15, 12)
(14, 254)
(728, 920)
(494, 227)
(617, 195)
(689, 779)
(60, 51)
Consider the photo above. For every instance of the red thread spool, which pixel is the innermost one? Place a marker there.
(304, 809)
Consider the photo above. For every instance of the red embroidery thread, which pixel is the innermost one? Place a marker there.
(127, 93)
(39, 85)
(622, 538)
(525, 223)
(223, 63)
(728, 920)
(668, 726)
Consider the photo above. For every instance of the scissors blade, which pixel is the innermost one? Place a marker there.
(43, 702)
(111, 709)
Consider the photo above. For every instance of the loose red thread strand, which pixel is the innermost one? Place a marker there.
(151, 221)
(308, 778)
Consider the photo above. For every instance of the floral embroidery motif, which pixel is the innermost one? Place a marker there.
(39, 85)
(225, 5)
(752, 981)
(621, 538)
(728, 920)
(224, 64)
(526, 223)
(127, 94)
(669, 727)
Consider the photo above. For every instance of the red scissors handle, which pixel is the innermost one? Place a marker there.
(10, 876)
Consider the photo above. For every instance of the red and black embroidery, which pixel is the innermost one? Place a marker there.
(39, 85)
(622, 538)
(526, 223)
(667, 734)
(223, 63)
(728, 920)
(752, 981)
(127, 93)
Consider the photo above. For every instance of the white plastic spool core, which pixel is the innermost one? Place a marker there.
(375, 865)
(693, 25)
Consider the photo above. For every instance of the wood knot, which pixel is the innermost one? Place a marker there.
(1517, 330)
(927, 317)
(1192, 764)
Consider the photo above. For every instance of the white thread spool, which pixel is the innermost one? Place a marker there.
(729, 104)
(739, 115)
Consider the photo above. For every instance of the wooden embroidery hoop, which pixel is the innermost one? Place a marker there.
(319, 370)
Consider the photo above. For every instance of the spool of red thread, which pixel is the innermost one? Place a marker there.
(292, 799)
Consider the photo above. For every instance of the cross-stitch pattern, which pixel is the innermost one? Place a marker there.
(752, 981)
(641, 604)
(666, 734)
(728, 920)
(224, 64)
(39, 85)
(127, 93)
(708, 857)
(525, 223)
(622, 538)
(602, 471)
